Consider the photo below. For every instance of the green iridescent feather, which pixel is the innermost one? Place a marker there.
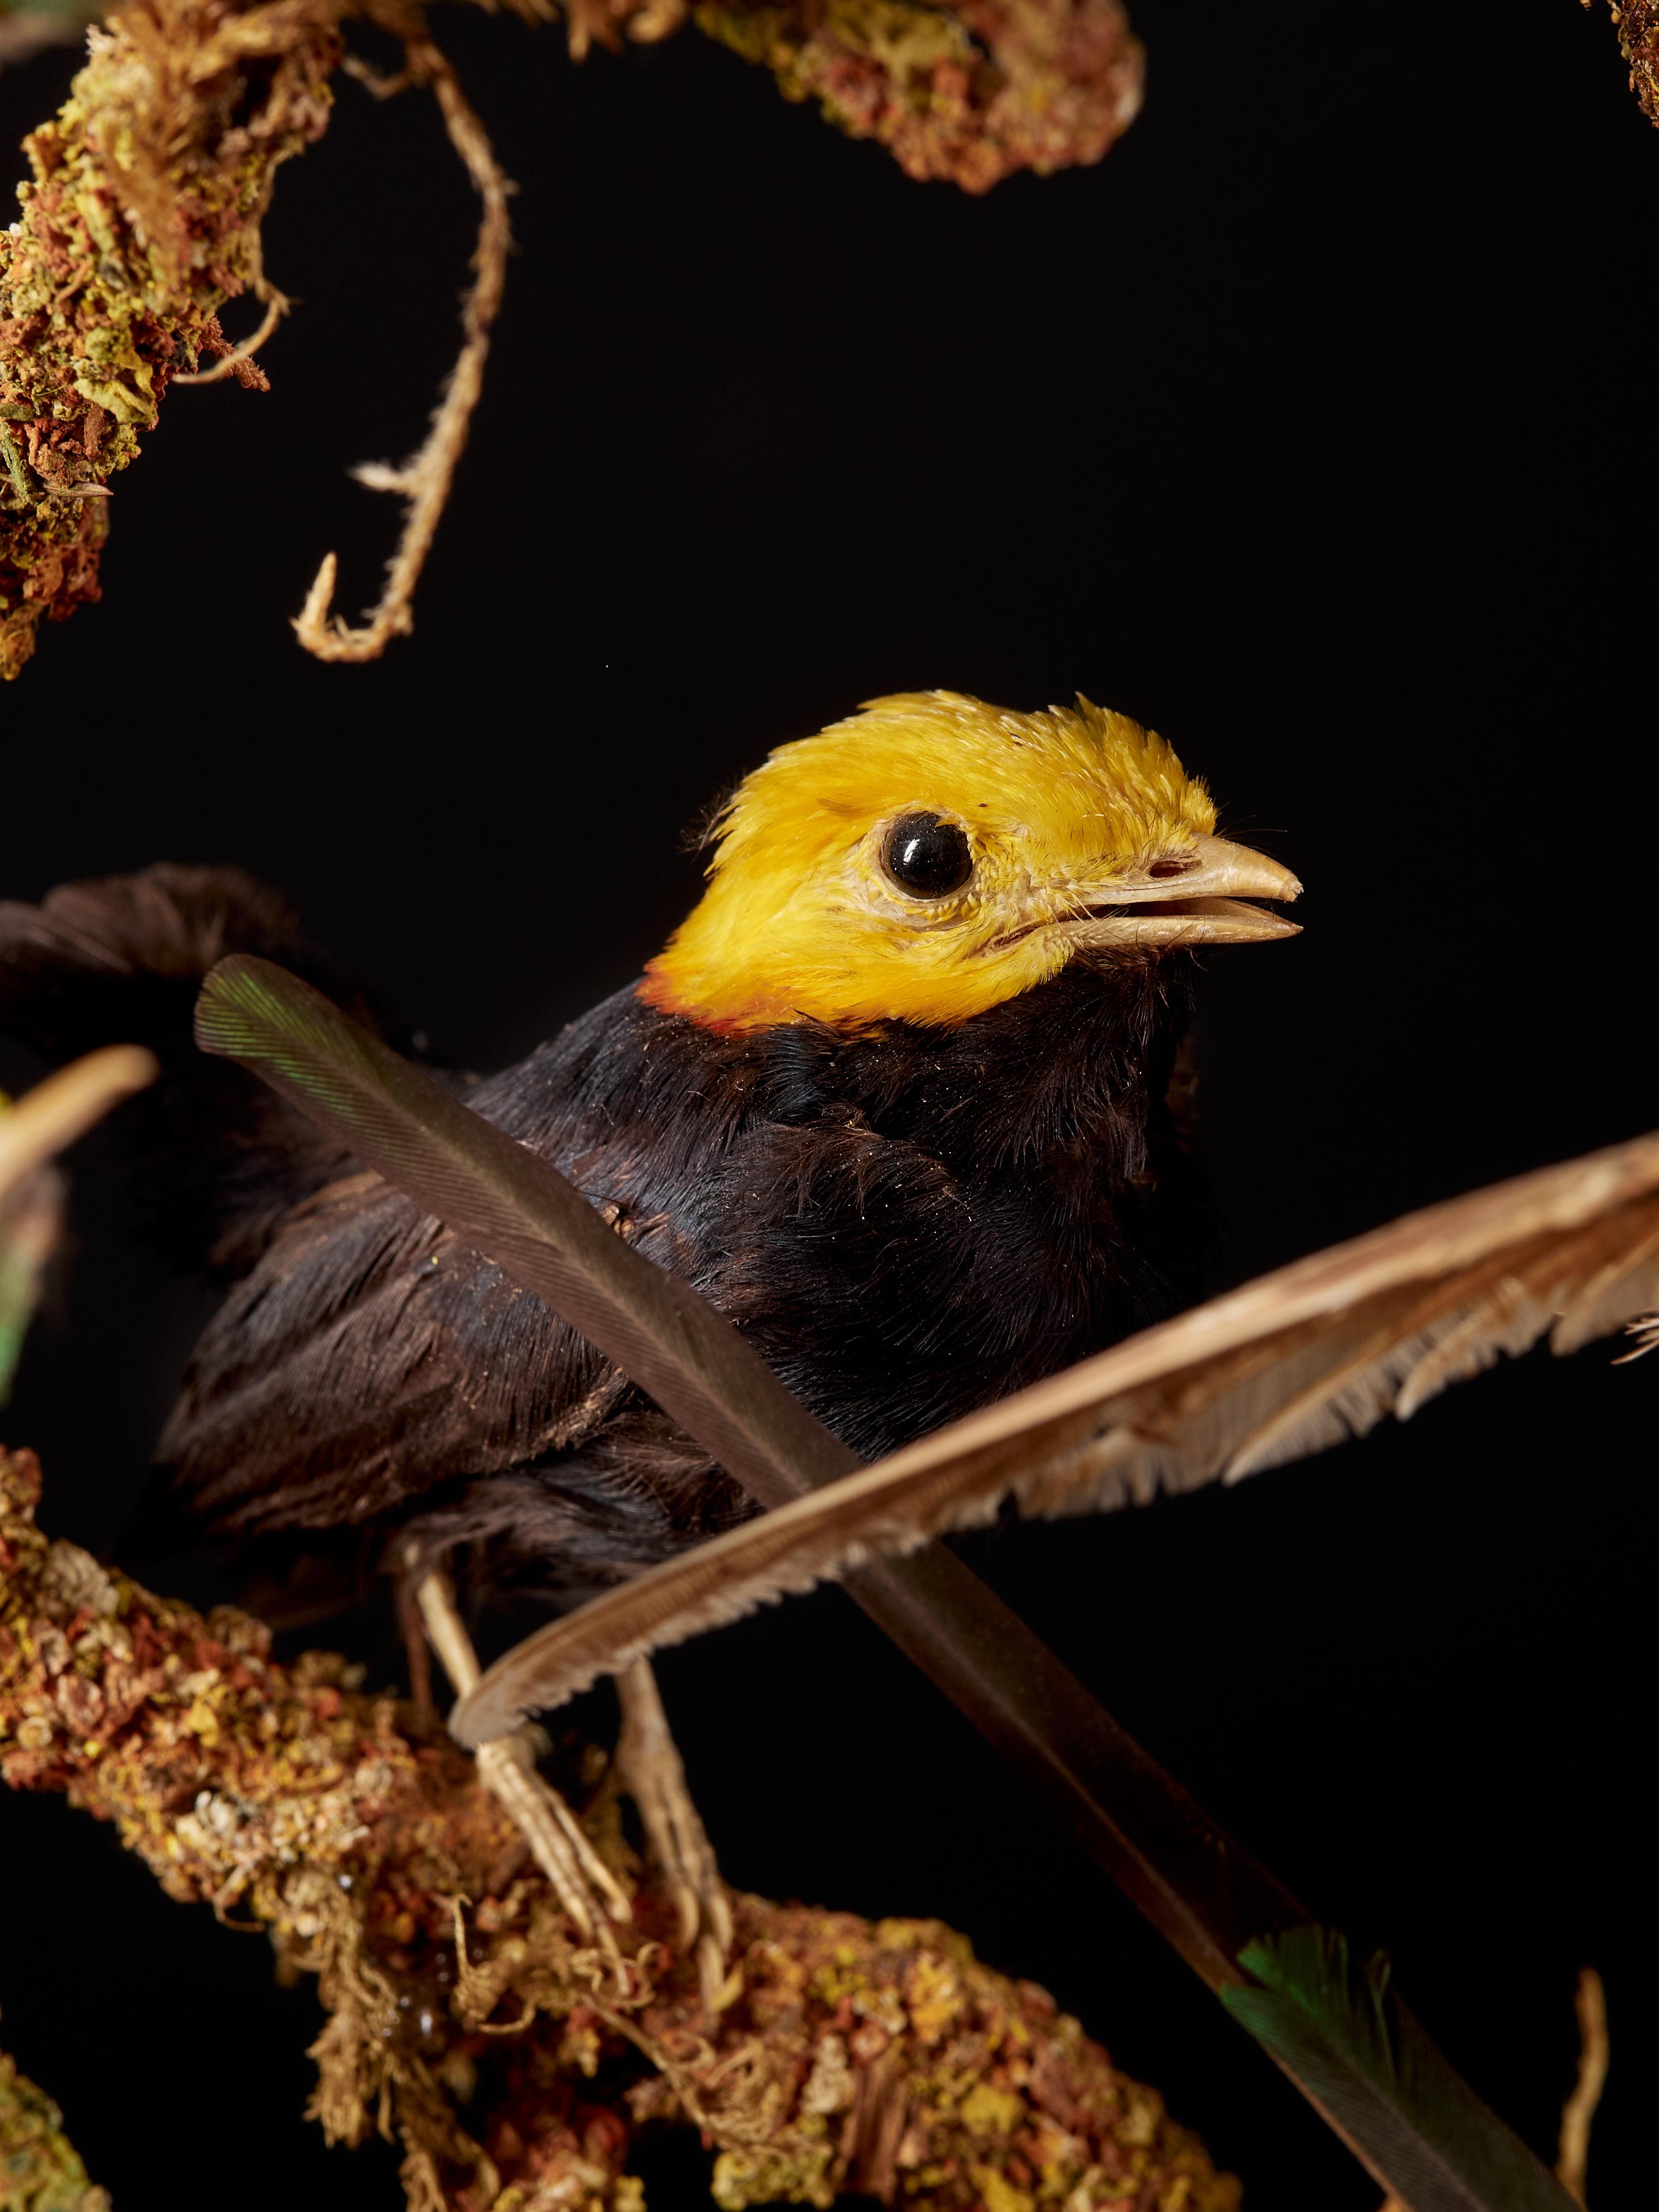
(1337, 2024)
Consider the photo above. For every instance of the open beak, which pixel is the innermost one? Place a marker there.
(1199, 897)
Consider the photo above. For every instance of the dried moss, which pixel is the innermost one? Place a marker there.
(139, 220)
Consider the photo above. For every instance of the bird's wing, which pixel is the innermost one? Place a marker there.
(1287, 1365)
(368, 1356)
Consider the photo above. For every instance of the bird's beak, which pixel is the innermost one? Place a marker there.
(1197, 898)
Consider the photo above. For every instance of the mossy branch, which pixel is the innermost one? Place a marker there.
(40, 2169)
(142, 218)
(1637, 24)
(516, 2065)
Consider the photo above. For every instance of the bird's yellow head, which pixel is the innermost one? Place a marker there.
(931, 856)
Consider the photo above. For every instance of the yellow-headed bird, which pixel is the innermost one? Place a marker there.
(894, 1097)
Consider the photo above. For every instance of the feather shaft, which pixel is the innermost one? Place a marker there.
(1199, 1888)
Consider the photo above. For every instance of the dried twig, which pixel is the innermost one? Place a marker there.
(424, 479)
(276, 306)
(63, 1108)
(1591, 2005)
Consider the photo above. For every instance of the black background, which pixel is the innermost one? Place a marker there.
(1309, 428)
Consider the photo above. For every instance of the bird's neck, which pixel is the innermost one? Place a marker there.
(1084, 1060)
(911, 1221)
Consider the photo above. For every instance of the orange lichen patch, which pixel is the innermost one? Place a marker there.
(851, 2055)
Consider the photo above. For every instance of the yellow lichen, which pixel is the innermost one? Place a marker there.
(990, 2111)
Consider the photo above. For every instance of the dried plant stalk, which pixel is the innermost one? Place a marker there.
(424, 480)
(1572, 2162)
(515, 2063)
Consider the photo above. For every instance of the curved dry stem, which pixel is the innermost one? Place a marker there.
(1591, 2005)
(227, 365)
(425, 481)
(50, 1118)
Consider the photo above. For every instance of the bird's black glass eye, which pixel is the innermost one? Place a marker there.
(928, 856)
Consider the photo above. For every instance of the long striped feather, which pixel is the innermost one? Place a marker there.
(1289, 1364)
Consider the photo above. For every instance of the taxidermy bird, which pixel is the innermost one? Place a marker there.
(896, 1097)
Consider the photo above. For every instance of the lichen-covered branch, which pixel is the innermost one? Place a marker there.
(140, 220)
(1637, 24)
(970, 94)
(41, 2170)
(515, 2065)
